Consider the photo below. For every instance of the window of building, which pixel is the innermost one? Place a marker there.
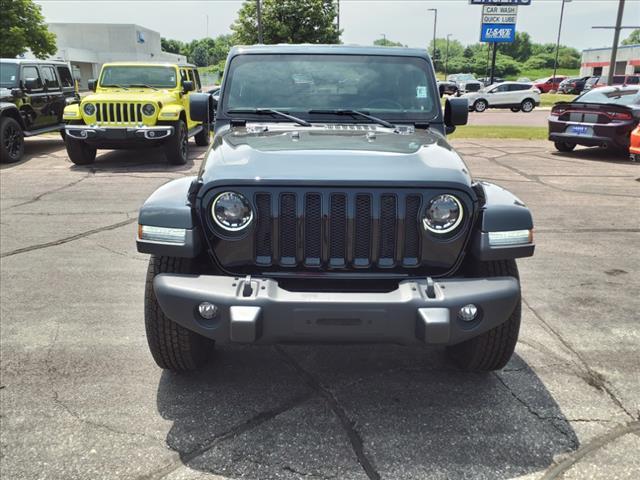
(32, 72)
(597, 71)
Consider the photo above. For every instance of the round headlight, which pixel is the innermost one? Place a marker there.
(231, 211)
(443, 215)
(148, 109)
(89, 109)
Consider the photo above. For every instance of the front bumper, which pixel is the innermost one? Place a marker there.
(94, 133)
(259, 311)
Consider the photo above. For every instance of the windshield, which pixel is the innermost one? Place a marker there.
(629, 96)
(386, 86)
(466, 76)
(8, 75)
(126, 76)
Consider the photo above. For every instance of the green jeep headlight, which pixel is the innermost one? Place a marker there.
(148, 109)
(89, 109)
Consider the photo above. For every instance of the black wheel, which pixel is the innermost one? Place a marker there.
(11, 140)
(564, 146)
(80, 152)
(63, 134)
(515, 109)
(527, 105)
(204, 137)
(480, 106)
(173, 347)
(493, 349)
(177, 147)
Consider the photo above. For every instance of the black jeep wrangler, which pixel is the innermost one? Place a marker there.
(330, 208)
(33, 94)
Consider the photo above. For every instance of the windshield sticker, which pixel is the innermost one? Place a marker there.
(421, 91)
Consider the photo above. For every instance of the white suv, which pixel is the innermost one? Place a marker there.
(517, 96)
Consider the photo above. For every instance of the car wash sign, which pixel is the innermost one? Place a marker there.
(500, 2)
(498, 23)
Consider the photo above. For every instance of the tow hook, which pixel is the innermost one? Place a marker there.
(431, 288)
(247, 289)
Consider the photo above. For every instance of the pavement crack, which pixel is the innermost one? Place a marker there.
(588, 374)
(552, 419)
(68, 239)
(560, 468)
(348, 425)
(238, 429)
(49, 192)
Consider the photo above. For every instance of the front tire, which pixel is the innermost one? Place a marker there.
(493, 349)
(203, 138)
(177, 147)
(564, 146)
(480, 106)
(527, 105)
(172, 346)
(11, 140)
(80, 152)
(515, 109)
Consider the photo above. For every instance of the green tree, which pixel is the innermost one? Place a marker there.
(22, 28)
(633, 38)
(172, 46)
(288, 21)
(520, 48)
(385, 42)
(200, 55)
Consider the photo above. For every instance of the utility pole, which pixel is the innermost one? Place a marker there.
(493, 63)
(207, 25)
(555, 63)
(435, 25)
(446, 59)
(259, 14)
(338, 18)
(384, 38)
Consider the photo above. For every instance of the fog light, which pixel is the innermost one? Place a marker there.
(468, 313)
(207, 310)
(152, 134)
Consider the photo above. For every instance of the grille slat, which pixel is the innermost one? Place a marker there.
(412, 233)
(388, 217)
(337, 230)
(312, 229)
(362, 235)
(288, 229)
(120, 113)
(263, 229)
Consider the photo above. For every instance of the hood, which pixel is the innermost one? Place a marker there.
(333, 154)
(5, 93)
(131, 95)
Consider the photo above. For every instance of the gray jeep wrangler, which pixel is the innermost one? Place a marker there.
(331, 208)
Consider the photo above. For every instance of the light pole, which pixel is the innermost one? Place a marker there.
(384, 38)
(435, 25)
(555, 63)
(446, 59)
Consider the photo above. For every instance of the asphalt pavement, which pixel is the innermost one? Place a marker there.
(498, 116)
(80, 396)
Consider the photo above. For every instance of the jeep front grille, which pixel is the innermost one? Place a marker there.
(351, 229)
(118, 113)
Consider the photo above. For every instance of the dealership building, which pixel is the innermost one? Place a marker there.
(596, 61)
(86, 46)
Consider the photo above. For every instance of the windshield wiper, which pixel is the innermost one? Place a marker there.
(355, 113)
(116, 86)
(142, 85)
(271, 111)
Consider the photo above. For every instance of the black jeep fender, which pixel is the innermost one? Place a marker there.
(500, 211)
(8, 109)
(169, 207)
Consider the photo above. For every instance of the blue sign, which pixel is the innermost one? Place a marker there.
(497, 32)
(500, 2)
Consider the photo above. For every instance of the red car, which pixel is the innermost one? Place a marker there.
(545, 85)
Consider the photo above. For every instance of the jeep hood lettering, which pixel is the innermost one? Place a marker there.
(330, 156)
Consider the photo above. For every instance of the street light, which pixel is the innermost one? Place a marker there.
(384, 38)
(555, 63)
(435, 24)
(446, 60)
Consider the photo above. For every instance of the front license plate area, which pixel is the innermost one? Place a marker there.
(581, 130)
(116, 134)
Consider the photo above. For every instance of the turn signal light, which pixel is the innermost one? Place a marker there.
(173, 236)
(512, 237)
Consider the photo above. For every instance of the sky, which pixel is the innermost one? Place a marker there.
(362, 21)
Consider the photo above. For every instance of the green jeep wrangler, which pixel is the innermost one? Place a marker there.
(136, 105)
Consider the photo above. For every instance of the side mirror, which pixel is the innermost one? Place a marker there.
(187, 86)
(441, 89)
(456, 112)
(92, 84)
(31, 83)
(200, 107)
